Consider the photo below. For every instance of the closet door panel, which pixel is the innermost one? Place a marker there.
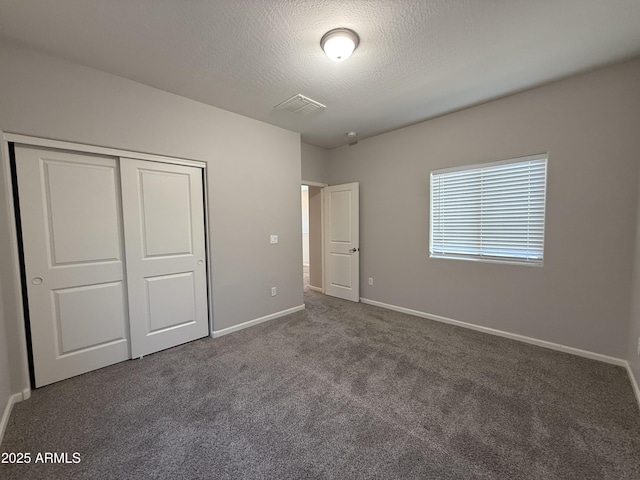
(72, 239)
(165, 252)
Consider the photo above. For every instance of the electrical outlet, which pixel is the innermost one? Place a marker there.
(274, 291)
(274, 239)
(370, 280)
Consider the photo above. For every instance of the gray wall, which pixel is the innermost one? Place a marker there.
(5, 371)
(581, 297)
(315, 163)
(315, 237)
(253, 173)
(634, 326)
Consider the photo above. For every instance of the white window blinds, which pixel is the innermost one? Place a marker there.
(493, 211)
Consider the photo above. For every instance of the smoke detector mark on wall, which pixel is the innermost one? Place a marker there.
(301, 105)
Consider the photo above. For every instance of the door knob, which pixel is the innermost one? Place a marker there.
(36, 281)
(354, 250)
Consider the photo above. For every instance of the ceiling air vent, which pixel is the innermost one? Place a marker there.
(301, 105)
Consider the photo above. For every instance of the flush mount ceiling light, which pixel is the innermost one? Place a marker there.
(339, 43)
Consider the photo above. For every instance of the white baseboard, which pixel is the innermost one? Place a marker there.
(315, 289)
(492, 331)
(256, 321)
(13, 399)
(634, 383)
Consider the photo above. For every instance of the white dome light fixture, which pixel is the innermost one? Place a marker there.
(339, 43)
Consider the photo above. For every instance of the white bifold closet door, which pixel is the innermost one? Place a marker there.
(113, 258)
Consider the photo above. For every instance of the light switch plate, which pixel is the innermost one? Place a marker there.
(274, 239)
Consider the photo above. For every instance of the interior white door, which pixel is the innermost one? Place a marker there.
(72, 240)
(342, 241)
(165, 254)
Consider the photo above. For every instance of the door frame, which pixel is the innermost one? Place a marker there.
(18, 328)
(321, 185)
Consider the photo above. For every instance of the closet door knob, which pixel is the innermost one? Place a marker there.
(36, 281)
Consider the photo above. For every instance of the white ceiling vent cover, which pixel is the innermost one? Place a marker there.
(301, 105)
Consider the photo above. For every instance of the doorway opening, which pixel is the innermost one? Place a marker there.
(305, 236)
(312, 250)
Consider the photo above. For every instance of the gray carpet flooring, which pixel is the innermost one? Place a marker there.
(342, 391)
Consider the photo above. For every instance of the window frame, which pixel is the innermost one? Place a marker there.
(488, 258)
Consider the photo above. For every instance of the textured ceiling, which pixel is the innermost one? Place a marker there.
(417, 58)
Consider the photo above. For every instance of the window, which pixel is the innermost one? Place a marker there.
(490, 212)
